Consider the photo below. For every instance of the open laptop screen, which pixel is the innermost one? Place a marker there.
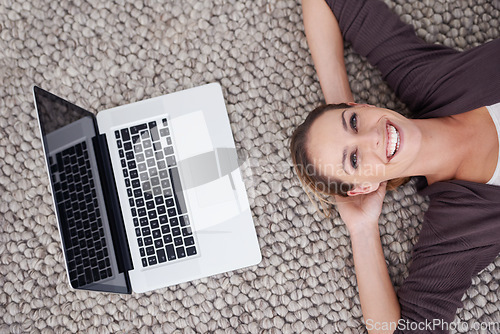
(55, 113)
(67, 135)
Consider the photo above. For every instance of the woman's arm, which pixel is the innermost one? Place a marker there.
(379, 302)
(327, 49)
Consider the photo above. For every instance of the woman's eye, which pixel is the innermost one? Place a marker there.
(354, 122)
(354, 160)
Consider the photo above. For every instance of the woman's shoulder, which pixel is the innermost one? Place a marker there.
(461, 215)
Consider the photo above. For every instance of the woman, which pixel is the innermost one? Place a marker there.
(355, 151)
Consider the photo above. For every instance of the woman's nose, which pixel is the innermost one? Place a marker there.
(371, 139)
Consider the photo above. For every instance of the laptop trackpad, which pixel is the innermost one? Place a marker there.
(197, 161)
(191, 135)
(215, 192)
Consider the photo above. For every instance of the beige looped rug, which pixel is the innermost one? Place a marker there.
(101, 54)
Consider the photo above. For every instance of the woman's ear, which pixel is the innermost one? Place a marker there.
(363, 189)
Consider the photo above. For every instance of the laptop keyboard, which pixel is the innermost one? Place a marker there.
(151, 175)
(76, 200)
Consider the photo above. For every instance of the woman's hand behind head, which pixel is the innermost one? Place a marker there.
(361, 212)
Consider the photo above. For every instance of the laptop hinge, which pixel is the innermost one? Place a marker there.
(113, 209)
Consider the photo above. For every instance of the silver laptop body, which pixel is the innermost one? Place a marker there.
(149, 194)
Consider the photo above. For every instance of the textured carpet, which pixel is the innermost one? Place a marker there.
(101, 54)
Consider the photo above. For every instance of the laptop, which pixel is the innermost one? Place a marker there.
(149, 194)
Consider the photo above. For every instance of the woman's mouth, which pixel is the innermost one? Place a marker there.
(393, 141)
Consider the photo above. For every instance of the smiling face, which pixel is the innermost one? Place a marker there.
(363, 145)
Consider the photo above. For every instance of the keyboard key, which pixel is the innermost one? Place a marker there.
(125, 134)
(162, 165)
(184, 220)
(163, 174)
(154, 224)
(165, 229)
(189, 241)
(180, 252)
(170, 161)
(152, 260)
(167, 238)
(159, 156)
(169, 150)
(156, 191)
(174, 222)
(146, 231)
(158, 243)
(169, 202)
(167, 192)
(186, 231)
(158, 200)
(154, 132)
(170, 252)
(191, 251)
(162, 257)
(164, 132)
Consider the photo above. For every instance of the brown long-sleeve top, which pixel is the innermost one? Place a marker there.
(460, 234)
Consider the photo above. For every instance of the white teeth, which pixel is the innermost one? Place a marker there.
(392, 140)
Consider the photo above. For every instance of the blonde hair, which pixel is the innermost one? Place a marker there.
(313, 182)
